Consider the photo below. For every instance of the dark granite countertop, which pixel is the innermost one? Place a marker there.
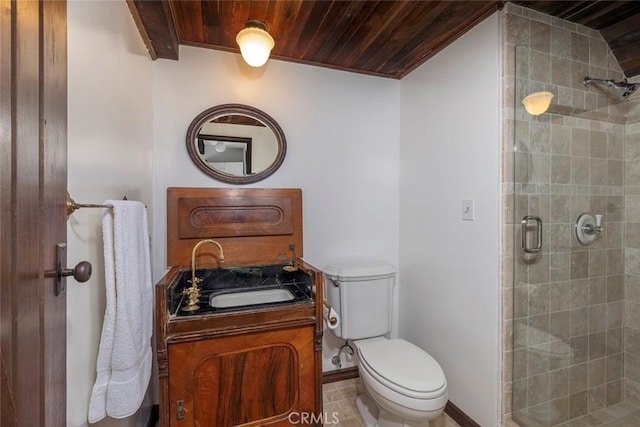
(240, 279)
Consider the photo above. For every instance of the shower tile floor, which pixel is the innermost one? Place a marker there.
(340, 398)
(623, 414)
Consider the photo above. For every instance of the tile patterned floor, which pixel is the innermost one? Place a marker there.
(340, 398)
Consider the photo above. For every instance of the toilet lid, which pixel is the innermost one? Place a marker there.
(359, 271)
(403, 364)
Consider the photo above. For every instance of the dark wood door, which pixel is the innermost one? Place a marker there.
(33, 169)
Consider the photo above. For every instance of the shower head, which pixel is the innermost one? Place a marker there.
(623, 88)
(628, 88)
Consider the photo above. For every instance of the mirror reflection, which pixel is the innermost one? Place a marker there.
(236, 143)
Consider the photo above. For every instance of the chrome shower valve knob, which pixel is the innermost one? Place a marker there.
(587, 228)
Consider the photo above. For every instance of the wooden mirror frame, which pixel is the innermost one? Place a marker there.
(238, 109)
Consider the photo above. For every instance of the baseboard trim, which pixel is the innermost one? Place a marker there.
(339, 375)
(459, 416)
(155, 416)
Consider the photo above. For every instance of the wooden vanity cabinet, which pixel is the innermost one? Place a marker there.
(246, 367)
(249, 368)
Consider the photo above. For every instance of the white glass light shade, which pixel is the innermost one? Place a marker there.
(537, 102)
(220, 147)
(255, 45)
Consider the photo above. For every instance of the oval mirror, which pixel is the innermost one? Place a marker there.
(236, 144)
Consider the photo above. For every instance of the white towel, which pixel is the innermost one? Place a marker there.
(124, 357)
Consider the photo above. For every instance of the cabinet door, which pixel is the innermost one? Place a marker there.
(248, 379)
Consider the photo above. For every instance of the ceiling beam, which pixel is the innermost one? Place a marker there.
(155, 24)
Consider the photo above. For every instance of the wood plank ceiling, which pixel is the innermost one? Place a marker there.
(382, 38)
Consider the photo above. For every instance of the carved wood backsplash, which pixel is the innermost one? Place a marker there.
(234, 217)
(253, 225)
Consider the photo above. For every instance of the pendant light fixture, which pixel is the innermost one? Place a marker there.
(220, 147)
(255, 43)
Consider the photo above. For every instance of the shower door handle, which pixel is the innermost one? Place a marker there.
(524, 224)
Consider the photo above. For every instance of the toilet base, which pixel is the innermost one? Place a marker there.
(373, 416)
(368, 410)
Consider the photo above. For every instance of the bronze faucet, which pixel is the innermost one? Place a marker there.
(193, 292)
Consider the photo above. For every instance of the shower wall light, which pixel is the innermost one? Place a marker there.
(537, 102)
(255, 43)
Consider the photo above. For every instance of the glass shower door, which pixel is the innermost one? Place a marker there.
(569, 224)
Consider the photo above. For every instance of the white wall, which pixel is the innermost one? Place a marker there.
(449, 268)
(110, 143)
(342, 147)
(347, 134)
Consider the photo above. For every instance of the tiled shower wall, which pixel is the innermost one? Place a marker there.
(567, 304)
(632, 259)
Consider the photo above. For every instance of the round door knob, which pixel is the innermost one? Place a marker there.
(81, 272)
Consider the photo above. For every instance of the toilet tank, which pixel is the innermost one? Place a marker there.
(361, 294)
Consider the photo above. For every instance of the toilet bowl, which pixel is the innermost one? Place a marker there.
(404, 385)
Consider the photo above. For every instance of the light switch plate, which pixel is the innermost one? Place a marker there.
(467, 210)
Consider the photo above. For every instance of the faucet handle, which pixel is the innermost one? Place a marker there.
(195, 280)
(598, 220)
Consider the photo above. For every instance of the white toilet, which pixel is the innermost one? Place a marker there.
(405, 386)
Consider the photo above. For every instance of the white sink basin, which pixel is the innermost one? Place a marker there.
(238, 299)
